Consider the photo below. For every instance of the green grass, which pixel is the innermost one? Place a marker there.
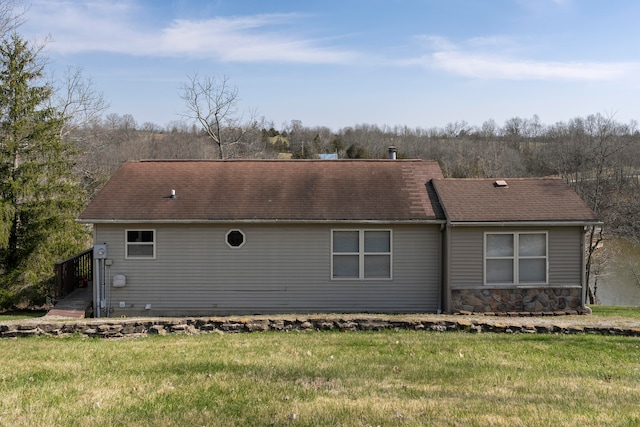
(20, 315)
(613, 311)
(392, 378)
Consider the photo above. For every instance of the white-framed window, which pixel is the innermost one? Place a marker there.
(361, 254)
(140, 244)
(516, 258)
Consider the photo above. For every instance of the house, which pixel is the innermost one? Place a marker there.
(204, 238)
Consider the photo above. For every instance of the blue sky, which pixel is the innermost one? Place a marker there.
(338, 63)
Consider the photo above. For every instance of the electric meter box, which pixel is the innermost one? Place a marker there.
(100, 251)
(119, 281)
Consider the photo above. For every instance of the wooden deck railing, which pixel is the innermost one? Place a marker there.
(73, 273)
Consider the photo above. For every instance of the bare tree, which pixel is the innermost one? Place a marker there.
(457, 129)
(213, 103)
(592, 154)
(533, 128)
(513, 129)
(11, 13)
(489, 130)
(78, 101)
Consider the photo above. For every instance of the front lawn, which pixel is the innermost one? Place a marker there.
(390, 378)
(611, 311)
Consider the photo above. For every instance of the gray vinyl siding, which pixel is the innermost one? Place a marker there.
(566, 246)
(279, 269)
(466, 255)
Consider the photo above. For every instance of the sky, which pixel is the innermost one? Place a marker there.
(341, 63)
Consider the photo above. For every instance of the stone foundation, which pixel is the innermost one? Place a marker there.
(501, 300)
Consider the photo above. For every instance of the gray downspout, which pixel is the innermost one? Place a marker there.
(442, 266)
(447, 268)
(443, 293)
(97, 283)
(583, 278)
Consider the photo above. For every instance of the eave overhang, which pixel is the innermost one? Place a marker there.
(538, 223)
(260, 221)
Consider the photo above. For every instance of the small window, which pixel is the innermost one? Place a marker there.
(141, 244)
(515, 258)
(361, 254)
(235, 238)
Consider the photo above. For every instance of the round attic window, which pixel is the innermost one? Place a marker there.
(235, 238)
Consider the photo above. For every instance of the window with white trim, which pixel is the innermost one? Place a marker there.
(140, 244)
(361, 254)
(515, 258)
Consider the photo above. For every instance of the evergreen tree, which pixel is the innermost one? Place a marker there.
(39, 195)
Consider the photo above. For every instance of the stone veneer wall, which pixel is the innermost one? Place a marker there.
(501, 300)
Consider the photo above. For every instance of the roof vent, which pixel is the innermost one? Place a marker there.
(501, 184)
(173, 194)
(393, 152)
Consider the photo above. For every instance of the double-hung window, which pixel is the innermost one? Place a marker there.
(515, 258)
(361, 254)
(140, 243)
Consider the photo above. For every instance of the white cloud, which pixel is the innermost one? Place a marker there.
(95, 25)
(436, 42)
(470, 59)
(244, 39)
(544, 5)
(495, 67)
(119, 27)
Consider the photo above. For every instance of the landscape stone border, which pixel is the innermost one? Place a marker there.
(140, 327)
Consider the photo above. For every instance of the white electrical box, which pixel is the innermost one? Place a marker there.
(119, 281)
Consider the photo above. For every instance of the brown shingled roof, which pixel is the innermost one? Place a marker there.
(523, 199)
(267, 190)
